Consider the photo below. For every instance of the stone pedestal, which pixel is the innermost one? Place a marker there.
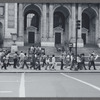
(79, 42)
(73, 41)
(14, 48)
(98, 42)
(51, 44)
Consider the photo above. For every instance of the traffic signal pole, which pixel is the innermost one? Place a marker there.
(76, 45)
(77, 28)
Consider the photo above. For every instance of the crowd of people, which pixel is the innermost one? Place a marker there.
(36, 59)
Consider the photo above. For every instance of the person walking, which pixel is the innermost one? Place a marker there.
(83, 61)
(38, 59)
(72, 61)
(92, 61)
(15, 60)
(21, 58)
(62, 61)
(4, 61)
(25, 61)
(67, 60)
(79, 62)
(8, 58)
(47, 62)
(53, 62)
(44, 60)
(33, 61)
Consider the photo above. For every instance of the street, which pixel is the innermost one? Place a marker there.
(49, 84)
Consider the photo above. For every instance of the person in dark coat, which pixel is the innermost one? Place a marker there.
(4, 61)
(83, 61)
(15, 58)
(25, 61)
(91, 61)
(33, 60)
(62, 61)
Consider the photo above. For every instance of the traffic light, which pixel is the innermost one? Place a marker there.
(78, 24)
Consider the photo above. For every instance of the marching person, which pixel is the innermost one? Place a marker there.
(21, 58)
(62, 61)
(79, 62)
(33, 61)
(4, 61)
(38, 59)
(53, 62)
(44, 60)
(15, 59)
(83, 61)
(67, 60)
(25, 61)
(47, 62)
(72, 61)
(92, 61)
(8, 57)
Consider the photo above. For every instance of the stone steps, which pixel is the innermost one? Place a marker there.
(52, 50)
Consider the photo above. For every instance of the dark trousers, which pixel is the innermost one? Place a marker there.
(92, 64)
(79, 65)
(15, 63)
(62, 64)
(33, 64)
(4, 66)
(25, 63)
(44, 63)
(38, 66)
(83, 65)
(72, 65)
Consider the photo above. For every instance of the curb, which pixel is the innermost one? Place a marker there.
(91, 71)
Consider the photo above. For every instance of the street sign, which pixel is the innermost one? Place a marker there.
(70, 44)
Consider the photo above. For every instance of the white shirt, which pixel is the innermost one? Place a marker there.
(53, 59)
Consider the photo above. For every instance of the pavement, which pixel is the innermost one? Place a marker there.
(50, 85)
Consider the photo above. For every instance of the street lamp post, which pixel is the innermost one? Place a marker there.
(14, 47)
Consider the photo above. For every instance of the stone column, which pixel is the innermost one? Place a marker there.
(51, 20)
(44, 19)
(98, 41)
(21, 21)
(73, 24)
(20, 25)
(51, 37)
(79, 40)
(45, 41)
(10, 22)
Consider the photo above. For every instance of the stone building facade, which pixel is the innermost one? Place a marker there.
(49, 24)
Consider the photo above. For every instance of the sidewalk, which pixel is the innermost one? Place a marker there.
(10, 69)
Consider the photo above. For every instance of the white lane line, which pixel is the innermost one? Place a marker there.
(93, 86)
(22, 86)
(5, 91)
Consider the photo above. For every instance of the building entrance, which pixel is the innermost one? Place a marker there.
(84, 38)
(31, 37)
(57, 38)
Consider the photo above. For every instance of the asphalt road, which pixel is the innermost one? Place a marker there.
(49, 84)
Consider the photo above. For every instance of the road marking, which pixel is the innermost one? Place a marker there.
(5, 91)
(93, 86)
(22, 86)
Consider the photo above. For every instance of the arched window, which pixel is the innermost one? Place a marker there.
(85, 21)
(59, 19)
(31, 19)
